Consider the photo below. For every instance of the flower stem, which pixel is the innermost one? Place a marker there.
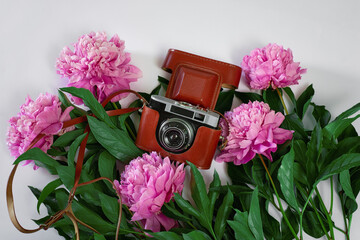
(303, 210)
(326, 213)
(114, 105)
(348, 231)
(188, 222)
(345, 222)
(304, 195)
(339, 229)
(278, 198)
(320, 220)
(282, 101)
(332, 195)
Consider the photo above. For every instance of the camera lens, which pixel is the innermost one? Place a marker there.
(175, 135)
(173, 138)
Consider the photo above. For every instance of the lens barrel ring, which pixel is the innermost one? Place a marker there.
(175, 135)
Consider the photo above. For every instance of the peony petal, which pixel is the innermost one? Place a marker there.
(165, 221)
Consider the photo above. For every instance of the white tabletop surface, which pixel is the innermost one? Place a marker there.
(324, 36)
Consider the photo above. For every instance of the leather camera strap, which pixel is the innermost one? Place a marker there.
(68, 209)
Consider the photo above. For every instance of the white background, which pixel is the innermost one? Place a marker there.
(324, 36)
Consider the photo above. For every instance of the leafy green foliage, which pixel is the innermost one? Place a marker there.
(224, 101)
(254, 219)
(223, 214)
(304, 101)
(245, 97)
(272, 98)
(91, 102)
(40, 158)
(286, 179)
(116, 141)
(240, 226)
(327, 149)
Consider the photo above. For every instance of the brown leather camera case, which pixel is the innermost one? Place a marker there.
(198, 80)
(201, 152)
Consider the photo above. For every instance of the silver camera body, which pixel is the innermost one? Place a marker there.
(179, 122)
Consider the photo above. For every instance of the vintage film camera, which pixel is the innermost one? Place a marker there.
(182, 125)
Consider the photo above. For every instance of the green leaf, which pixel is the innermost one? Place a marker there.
(106, 165)
(200, 197)
(312, 225)
(110, 207)
(321, 115)
(223, 214)
(156, 90)
(313, 152)
(286, 179)
(213, 195)
(67, 138)
(61, 198)
(258, 173)
(99, 237)
(350, 206)
(355, 180)
(49, 188)
(304, 101)
(166, 236)
(180, 231)
(293, 122)
(285, 230)
(291, 95)
(300, 148)
(254, 219)
(76, 112)
(241, 174)
(73, 149)
(116, 141)
(127, 124)
(224, 101)
(342, 163)
(41, 220)
(50, 202)
(272, 98)
(245, 97)
(65, 228)
(39, 156)
(350, 131)
(163, 82)
(198, 191)
(271, 226)
(67, 175)
(349, 112)
(196, 235)
(91, 102)
(93, 219)
(300, 174)
(56, 152)
(346, 184)
(186, 206)
(240, 226)
(169, 210)
(336, 127)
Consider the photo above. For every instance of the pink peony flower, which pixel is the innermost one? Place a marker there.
(253, 129)
(42, 116)
(98, 65)
(271, 65)
(146, 184)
